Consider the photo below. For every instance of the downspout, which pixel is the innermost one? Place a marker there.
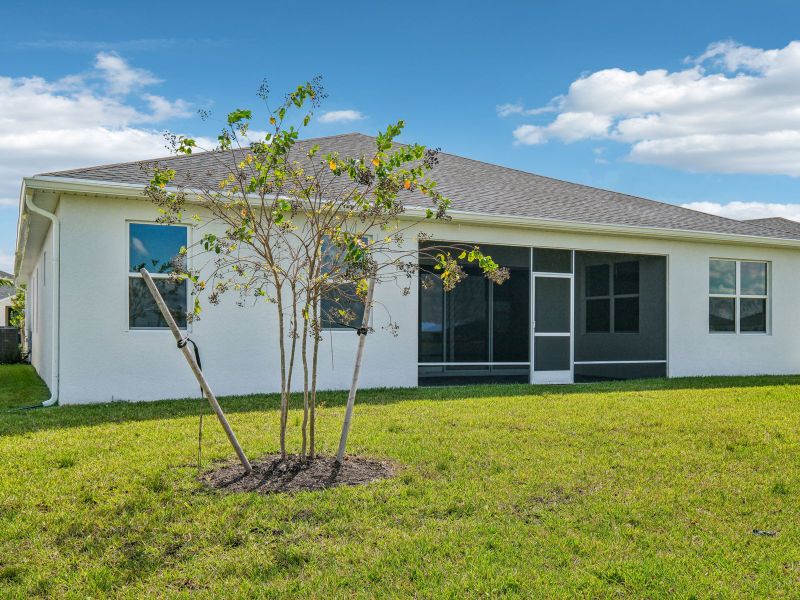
(56, 278)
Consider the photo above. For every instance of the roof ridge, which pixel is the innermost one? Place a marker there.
(188, 156)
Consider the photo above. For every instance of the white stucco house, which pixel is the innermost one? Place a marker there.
(603, 285)
(6, 298)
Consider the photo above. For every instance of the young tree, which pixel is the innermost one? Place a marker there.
(294, 228)
(18, 309)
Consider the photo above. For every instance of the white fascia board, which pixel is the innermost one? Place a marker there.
(66, 184)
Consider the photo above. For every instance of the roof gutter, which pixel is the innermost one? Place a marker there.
(66, 184)
(56, 279)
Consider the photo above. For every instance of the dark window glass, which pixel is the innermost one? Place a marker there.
(626, 315)
(597, 280)
(510, 318)
(468, 318)
(155, 247)
(340, 306)
(431, 318)
(547, 260)
(626, 278)
(551, 353)
(552, 305)
(753, 314)
(722, 314)
(142, 309)
(754, 279)
(598, 315)
(722, 277)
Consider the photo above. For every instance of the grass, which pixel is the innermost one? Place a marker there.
(20, 386)
(627, 489)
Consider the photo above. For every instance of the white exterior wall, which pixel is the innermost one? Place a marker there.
(40, 311)
(102, 360)
(5, 303)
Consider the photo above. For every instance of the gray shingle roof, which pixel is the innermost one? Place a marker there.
(479, 187)
(779, 223)
(6, 290)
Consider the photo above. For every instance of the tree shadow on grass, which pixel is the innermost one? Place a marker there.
(24, 421)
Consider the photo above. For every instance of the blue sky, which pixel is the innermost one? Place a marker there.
(685, 102)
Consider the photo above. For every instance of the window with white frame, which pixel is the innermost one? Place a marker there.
(738, 296)
(156, 248)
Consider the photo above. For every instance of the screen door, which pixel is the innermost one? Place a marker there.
(552, 329)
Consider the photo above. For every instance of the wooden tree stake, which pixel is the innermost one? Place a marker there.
(187, 353)
(351, 397)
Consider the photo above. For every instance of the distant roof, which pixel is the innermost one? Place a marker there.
(476, 187)
(778, 223)
(6, 290)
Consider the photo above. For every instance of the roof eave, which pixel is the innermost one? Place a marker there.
(67, 184)
(614, 229)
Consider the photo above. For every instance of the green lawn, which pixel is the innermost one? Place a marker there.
(20, 386)
(638, 489)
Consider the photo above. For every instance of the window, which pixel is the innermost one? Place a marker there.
(340, 306)
(738, 294)
(612, 297)
(155, 247)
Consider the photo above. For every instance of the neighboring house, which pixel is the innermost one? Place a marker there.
(603, 285)
(6, 297)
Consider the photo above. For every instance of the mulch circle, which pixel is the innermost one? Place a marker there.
(271, 475)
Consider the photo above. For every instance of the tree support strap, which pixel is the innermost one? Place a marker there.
(361, 330)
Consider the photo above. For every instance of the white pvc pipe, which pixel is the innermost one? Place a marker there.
(56, 279)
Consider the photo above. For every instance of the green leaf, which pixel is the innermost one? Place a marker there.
(238, 115)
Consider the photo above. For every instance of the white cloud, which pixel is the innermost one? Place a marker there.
(748, 210)
(733, 109)
(53, 125)
(100, 116)
(517, 108)
(139, 246)
(120, 77)
(341, 116)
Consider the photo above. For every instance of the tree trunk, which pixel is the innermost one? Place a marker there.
(284, 396)
(313, 416)
(292, 352)
(351, 398)
(305, 385)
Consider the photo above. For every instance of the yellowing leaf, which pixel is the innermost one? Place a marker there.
(407, 184)
(376, 162)
(332, 165)
(272, 120)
